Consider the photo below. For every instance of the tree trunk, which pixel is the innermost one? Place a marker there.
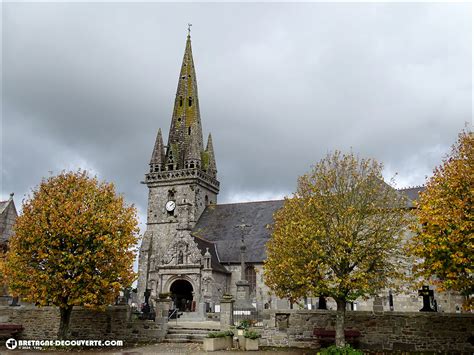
(340, 318)
(64, 323)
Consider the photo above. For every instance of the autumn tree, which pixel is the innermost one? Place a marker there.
(73, 245)
(338, 236)
(444, 231)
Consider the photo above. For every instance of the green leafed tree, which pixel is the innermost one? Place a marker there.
(73, 245)
(444, 230)
(339, 235)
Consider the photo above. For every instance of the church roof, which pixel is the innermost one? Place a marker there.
(412, 193)
(215, 262)
(218, 224)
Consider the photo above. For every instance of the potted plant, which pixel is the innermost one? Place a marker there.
(164, 295)
(218, 341)
(243, 326)
(251, 339)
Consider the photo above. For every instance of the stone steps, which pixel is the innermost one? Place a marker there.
(189, 333)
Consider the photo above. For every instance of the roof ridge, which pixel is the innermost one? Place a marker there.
(240, 203)
(411, 187)
(201, 238)
(4, 205)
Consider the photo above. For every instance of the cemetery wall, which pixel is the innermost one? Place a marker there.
(115, 323)
(396, 331)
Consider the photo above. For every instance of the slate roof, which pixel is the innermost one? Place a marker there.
(218, 223)
(215, 262)
(8, 215)
(412, 193)
(217, 227)
(3, 206)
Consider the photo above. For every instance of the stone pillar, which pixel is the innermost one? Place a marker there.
(378, 304)
(227, 313)
(163, 306)
(243, 290)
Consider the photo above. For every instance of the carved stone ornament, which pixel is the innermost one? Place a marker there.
(182, 251)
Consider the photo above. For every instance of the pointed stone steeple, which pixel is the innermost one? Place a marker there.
(158, 156)
(211, 160)
(185, 141)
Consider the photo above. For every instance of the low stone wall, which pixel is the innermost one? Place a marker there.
(436, 332)
(116, 322)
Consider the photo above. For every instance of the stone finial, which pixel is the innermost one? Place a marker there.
(158, 155)
(211, 164)
(11, 195)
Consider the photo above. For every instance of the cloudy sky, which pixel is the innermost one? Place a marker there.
(87, 85)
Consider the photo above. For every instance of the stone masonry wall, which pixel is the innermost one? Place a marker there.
(394, 331)
(115, 323)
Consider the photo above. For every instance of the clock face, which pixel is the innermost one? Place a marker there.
(170, 206)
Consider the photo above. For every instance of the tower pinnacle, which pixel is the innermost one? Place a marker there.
(158, 155)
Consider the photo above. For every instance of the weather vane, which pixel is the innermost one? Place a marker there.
(189, 29)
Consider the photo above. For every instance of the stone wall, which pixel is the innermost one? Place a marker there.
(385, 330)
(116, 322)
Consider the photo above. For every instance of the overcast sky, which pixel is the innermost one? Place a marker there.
(280, 85)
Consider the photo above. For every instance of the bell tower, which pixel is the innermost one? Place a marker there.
(182, 176)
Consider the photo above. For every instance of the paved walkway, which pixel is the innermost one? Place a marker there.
(196, 348)
(196, 325)
(167, 348)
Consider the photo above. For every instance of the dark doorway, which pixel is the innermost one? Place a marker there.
(182, 294)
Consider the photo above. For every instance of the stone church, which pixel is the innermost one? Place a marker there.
(193, 247)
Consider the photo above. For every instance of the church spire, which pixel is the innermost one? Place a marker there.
(211, 160)
(158, 155)
(185, 142)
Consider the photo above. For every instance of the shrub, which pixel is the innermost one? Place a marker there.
(227, 333)
(334, 350)
(245, 324)
(251, 334)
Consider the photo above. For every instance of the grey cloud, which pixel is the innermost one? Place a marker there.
(88, 85)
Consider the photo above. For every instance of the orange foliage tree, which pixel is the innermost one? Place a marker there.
(444, 233)
(339, 235)
(73, 245)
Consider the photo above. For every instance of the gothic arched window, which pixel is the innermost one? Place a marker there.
(251, 277)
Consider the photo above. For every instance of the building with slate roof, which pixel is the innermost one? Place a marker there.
(8, 215)
(193, 246)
